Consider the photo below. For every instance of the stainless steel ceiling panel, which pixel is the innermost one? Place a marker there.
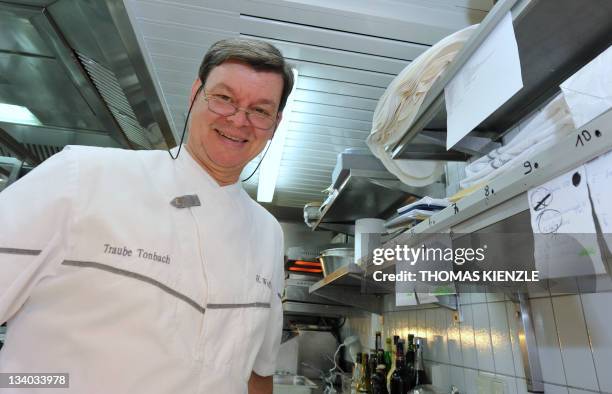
(57, 136)
(41, 85)
(18, 33)
(268, 28)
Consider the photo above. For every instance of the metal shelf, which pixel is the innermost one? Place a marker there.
(349, 286)
(503, 200)
(555, 39)
(368, 194)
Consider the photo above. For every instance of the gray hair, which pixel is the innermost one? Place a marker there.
(258, 54)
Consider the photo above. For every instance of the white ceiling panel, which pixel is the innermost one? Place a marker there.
(337, 87)
(312, 96)
(346, 51)
(332, 110)
(337, 57)
(328, 38)
(343, 74)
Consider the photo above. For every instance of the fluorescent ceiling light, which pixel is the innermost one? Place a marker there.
(17, 114)
(268, 173)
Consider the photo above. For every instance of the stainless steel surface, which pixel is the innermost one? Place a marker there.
(367, 194)
(315, 352)
(346, 54)
(43, 47)
(349, 286)
(9, 169)
(293, 380)
(333, 259)
(298, 301)
(548, 56)
(529, 347)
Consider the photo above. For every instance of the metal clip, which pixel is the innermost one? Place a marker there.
(187, 201)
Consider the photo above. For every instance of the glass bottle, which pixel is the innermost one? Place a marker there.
(393, 356)
(357, 373)
(388, 355)
(397, 385)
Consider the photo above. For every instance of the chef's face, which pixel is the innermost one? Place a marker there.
(225, 144)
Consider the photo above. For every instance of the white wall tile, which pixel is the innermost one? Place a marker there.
(521, 386)
(422, 324)
(575, 350)
(468, 346)
(470, 380)
(578, 391)
(431, 351)
(548, 343)
(453, 333)
(500, 338)
(599, 325)
(494, 296)
(482, 338)
(465, 298)
(458, 379)
(514, 325)
(412, 322)
(554, 389)
(441, 377)
(442, 325)
(509, 383)
(479, 297)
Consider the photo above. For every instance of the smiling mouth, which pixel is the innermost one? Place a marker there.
(229, 137)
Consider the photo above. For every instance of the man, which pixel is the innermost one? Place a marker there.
(136, 273)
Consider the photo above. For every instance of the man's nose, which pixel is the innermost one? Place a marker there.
(240, 118)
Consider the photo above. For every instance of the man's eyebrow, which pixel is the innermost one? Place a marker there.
(222, 86)
(264, 101)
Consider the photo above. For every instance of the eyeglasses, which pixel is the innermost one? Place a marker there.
(222, 105)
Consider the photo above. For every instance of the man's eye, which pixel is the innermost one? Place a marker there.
(261, 111)
(223, 97)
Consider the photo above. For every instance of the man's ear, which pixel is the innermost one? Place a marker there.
(194, 89)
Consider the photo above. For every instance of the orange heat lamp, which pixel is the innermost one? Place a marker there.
(301, 269)
(307, 263)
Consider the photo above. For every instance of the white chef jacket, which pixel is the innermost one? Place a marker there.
(102, 278)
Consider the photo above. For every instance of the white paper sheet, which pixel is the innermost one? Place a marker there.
(563, 227)
(588, 92)
(599, 178)
(487, 80)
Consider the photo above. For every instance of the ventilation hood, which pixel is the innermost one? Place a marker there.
(77, 67)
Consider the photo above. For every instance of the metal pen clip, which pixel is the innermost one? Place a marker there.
(187, 201)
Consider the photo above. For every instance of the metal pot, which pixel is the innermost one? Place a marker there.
(333, 259)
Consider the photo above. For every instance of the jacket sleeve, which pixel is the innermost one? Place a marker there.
(265, 362)
(35, 216)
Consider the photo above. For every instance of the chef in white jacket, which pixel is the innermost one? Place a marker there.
(134, 272)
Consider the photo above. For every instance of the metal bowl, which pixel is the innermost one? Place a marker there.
(333, 259)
